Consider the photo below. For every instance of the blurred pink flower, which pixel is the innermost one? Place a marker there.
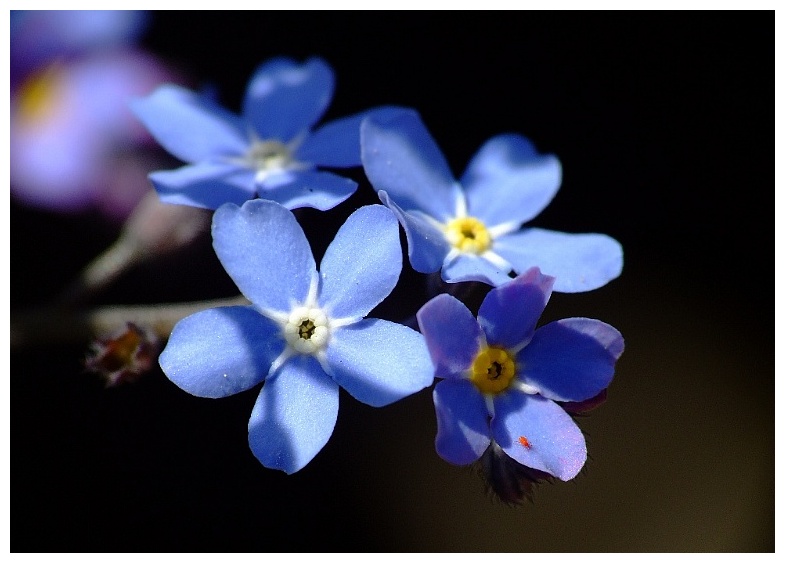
(75, 146)
(74, 143)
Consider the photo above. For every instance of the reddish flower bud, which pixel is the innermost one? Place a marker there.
(124, 356)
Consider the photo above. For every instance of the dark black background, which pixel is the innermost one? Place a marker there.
(663, 122)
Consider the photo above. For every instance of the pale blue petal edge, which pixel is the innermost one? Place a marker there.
(294, 415)
(462, 429)
(264, 250)
(285, 99)
(555, 443)
(220, 352)
(509, 313)
(579, 262)
(337, 143)
(362, 265)
(308, 188)
(427, 246)
(452, 334)
(190, 126)
(206, 184)
(572, 359)
(379, 362)
(470, 267)
(401, 158)
(507, 181)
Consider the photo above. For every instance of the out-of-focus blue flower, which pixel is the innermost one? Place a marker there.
(74, 142)
(39, 37)
(501, 377)
(472, 229)
(269, 151)
(305, 334)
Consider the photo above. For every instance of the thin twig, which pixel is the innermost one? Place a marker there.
(61, 325)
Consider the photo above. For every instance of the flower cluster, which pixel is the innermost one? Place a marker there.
(507, 386)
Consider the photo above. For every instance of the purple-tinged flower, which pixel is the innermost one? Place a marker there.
(501, 378)
(40, 37)
(472, 229)
(305, 333)
(269, 151)
(74, 143)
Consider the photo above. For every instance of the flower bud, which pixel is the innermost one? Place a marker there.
(511, 481)
(124, 356)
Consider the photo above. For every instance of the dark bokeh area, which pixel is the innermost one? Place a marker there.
(664, 126)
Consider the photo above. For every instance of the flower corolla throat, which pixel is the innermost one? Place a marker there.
(492, 370)
(307, 330)
(267, 157)
(468, 235)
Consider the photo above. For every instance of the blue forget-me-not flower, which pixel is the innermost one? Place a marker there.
(305, 333)
(269, 151)
(501, 378)
(472, 229)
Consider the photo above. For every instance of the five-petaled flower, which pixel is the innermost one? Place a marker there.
(305, 333)
(269, 151)
(501, 378)
(472, 229)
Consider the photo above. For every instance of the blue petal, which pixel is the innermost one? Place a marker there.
(307, 188)
(579, 262)
(507, 181)
(470, 267)
(219, 352)
(189, 126)
(379, 362)
(452, 334)
(294, 416)
(401, 158)
(362, 265)
(509, 313)
(427, 245)
(572, 359)
(555, 443)
(205, 184)
(264, 250)
(462, 429)
(285, 99)
(337, 143)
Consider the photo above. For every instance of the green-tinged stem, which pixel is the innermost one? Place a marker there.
(62, 325)
(153, 229)
(107, 267)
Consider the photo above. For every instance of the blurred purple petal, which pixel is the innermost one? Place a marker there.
(72, 133)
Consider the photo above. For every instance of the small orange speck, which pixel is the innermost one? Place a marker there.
(524, 442)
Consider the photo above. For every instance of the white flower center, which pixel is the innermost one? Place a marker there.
(307, 330)
(269, 156)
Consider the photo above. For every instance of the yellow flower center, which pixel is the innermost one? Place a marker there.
(39, 94)
(492, 370)
(468, 234)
